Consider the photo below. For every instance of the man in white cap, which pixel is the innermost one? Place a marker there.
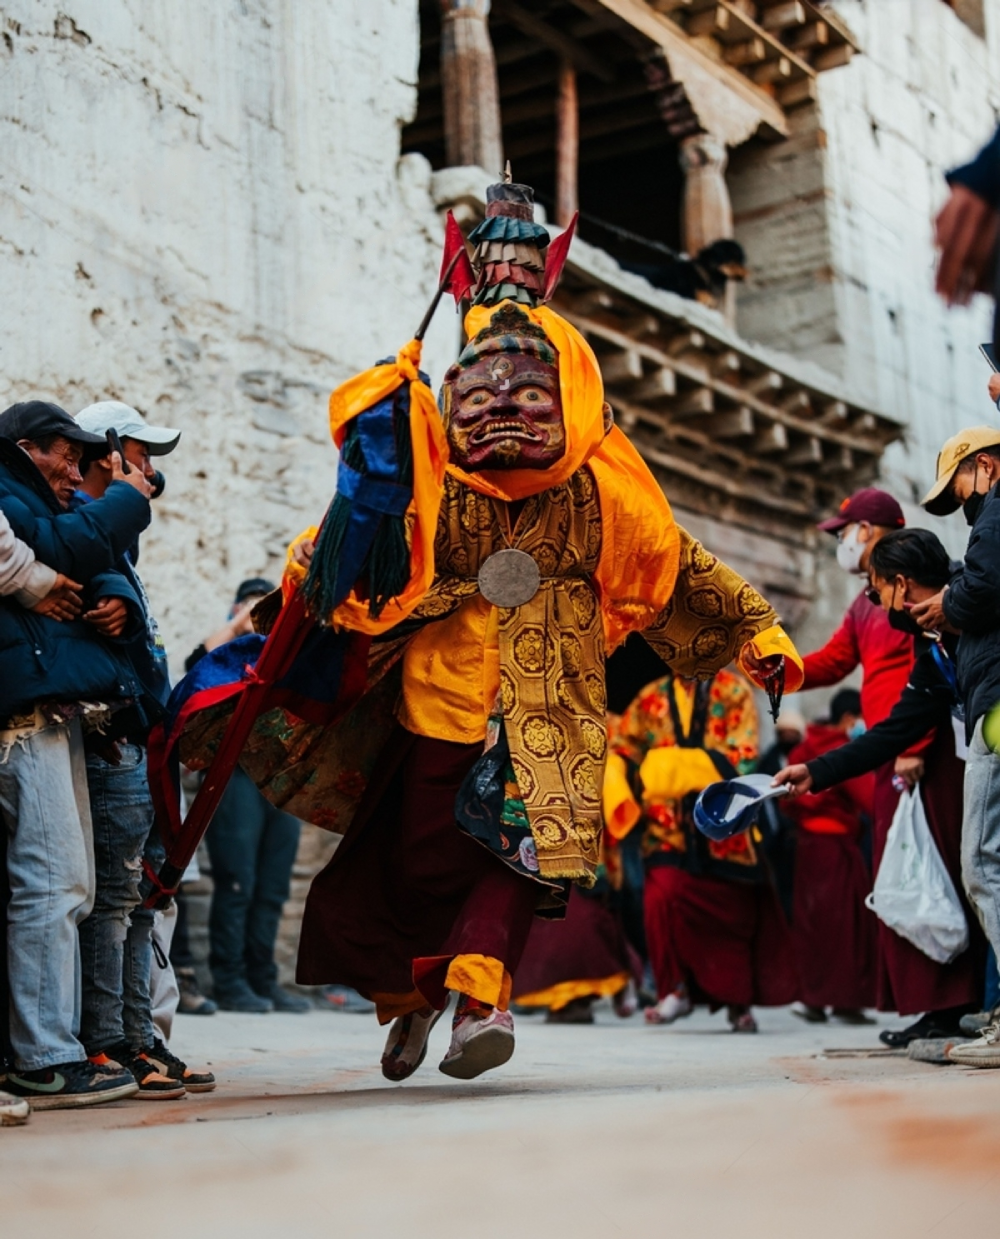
(968, 469)
(116, 939)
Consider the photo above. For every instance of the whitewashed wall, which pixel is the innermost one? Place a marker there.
(202, 212)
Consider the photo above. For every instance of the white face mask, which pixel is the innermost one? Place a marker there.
(849, 550)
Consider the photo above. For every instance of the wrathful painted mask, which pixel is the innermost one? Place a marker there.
(506, 413)
(501, 400)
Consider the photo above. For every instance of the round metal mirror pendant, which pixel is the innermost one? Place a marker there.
(509, 578)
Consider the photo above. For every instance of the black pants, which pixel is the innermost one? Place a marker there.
(252, 846)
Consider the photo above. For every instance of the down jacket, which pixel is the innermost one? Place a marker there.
(42, 659)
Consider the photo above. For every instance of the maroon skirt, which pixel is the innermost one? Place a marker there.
(408, 887)
(588, 945)
(834, 934)
(908, 980)
(727, 941)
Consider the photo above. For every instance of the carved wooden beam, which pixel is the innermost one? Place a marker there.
(567, 48)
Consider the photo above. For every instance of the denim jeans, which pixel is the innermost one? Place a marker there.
(981, 835)
(252, 846)
(50, 865)
(115, 939)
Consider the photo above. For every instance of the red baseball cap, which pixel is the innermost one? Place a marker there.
(871, 505)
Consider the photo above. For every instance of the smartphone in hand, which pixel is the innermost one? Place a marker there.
(115, 444)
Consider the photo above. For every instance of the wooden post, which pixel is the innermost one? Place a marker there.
(470, 92)
(708, 210)
(567, 146)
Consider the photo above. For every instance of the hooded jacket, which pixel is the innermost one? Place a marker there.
(42, 659)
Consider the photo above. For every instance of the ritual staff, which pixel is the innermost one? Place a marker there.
(468, 774)
(908, 567)
(714, 928)
(833, 932)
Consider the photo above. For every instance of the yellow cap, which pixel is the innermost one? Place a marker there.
(939, 500)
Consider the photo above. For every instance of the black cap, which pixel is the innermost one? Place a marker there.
(256, 586)
(36, 419)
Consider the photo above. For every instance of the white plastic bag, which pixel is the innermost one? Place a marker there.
(914, 894)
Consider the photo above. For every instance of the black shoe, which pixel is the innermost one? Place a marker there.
(168, 1064)
(285, 1000)
(153, 1084)
(933, 1024)
(242, 998)
(68, 1086)
(192, 1000)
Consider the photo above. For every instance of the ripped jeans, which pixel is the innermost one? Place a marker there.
(115, 940)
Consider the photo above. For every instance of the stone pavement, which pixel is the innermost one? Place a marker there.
(617, 1129)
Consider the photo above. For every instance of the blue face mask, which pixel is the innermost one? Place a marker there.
(857, 729)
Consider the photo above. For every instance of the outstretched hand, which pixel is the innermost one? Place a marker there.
(62, 602)
(965, 232)
(797, 778)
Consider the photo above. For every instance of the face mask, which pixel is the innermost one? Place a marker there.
(973, 506)
(903, 621)
(857, 729)
(850, 550)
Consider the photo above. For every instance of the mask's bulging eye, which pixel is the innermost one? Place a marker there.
(530, 395)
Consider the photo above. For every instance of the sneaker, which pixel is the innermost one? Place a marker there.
(343, 998)
(406, 1047)
(983, 1052)
(934, 1049)
(14, 1111)
(67, 1086)
(811, 1015)
(242, 998)
(481, 1039)
(192, 1001)
(153, 1084)
(972, 1025)
(284, 1000)
(168, 1064)
(674, 1007)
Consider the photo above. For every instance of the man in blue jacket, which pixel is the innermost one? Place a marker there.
(58, 680)
(968, 469)
(116, 939)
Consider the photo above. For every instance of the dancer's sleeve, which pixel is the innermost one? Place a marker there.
(714, 618)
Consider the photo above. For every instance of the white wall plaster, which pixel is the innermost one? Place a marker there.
(203, 212)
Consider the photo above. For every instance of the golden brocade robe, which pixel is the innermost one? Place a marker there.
(456, 659)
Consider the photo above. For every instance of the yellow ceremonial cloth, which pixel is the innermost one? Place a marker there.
(558, 996)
